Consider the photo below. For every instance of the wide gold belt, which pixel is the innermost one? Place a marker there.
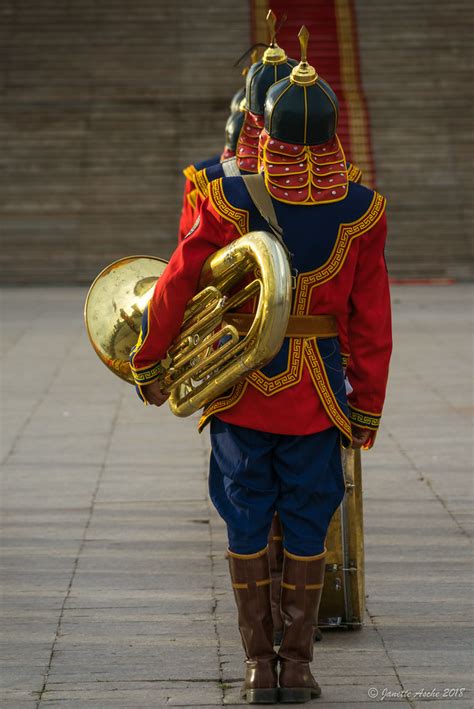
(298, 325)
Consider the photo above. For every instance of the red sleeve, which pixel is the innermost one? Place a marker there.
(187, 218)
(163, 318)
(369, 331)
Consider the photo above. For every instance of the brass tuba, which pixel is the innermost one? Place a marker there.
(208, 356)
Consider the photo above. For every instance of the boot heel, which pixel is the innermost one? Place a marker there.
(295, 695)
(261, 696)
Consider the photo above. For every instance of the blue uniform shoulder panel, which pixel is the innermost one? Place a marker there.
(214, 172)
(310, 232)
(207, 163)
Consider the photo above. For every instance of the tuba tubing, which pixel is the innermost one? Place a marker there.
(224, 269)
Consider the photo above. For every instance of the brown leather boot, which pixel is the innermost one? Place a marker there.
(302, 586)
(250, 576)
(275, 554)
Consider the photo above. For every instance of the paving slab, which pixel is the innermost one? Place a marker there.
(115, 581)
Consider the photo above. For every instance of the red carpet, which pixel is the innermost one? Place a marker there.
(333, 51)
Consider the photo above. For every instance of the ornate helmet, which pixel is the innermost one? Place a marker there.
(300, 153)
(273, 66)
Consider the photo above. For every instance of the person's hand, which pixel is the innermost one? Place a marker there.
(153, 393)
(360, 436)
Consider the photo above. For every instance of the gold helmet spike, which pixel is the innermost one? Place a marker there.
(271, 24)
(273, 54)
(304, 74)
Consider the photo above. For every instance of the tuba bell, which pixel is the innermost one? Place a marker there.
(209, 355)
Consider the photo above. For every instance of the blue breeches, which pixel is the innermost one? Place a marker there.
(254, 474)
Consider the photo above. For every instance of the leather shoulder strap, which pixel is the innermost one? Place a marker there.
(230, 167)
(263, 202)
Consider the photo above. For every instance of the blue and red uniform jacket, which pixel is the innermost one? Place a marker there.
(201, 179)
(338, 251)
(187, 217)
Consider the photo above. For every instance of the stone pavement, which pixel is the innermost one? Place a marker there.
(115, 587)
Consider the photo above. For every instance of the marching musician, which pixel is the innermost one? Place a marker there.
(273, 66)
(276, 435)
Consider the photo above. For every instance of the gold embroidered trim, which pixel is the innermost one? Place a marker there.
(345, 359)
(364, 419)
(202, 183)
(354, 173)
(323, 387)
(223, 403)
(189, 172)
(147, 376)
(268, 386)
(238, 217)
(347, 232)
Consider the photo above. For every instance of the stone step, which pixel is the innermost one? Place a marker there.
(419, 91)
(103, 104)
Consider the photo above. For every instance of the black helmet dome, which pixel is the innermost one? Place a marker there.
(302, 108)
(259, 79)
(273, 66)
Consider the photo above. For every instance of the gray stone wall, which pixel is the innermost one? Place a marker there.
(104, 103)
(417, 73)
